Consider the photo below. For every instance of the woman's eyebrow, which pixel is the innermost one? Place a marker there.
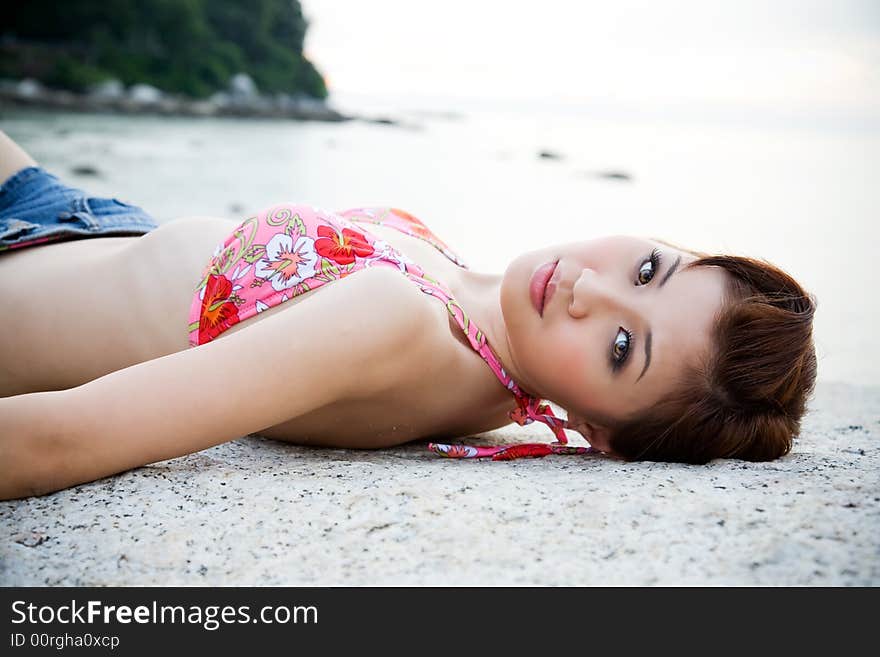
(649, 335)
(671, 271)
(647, 354)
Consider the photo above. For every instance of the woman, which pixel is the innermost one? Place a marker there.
(654, 351)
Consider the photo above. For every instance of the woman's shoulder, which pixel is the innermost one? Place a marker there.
(383, 319)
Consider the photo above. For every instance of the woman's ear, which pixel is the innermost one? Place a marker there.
(598, 436)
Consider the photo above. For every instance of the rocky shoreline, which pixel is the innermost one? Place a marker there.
(241, 99)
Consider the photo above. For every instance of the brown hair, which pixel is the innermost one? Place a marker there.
(746, 398)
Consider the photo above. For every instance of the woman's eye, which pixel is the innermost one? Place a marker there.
(621, 347)
(649, 268)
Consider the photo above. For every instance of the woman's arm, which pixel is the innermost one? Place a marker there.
(13, 158)
(343, 342)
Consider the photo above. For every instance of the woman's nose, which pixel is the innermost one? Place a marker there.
(592, 293)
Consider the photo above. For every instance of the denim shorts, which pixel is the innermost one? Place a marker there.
(36, 207)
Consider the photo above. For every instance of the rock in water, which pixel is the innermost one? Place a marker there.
(29, 88)
(242, 86)
(615, 175)
(111, 89)
(144, 94)
(85, 170)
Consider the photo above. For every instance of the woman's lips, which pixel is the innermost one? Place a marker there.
(538, 286)
(551, 287)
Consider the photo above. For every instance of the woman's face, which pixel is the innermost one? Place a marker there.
(615, 332)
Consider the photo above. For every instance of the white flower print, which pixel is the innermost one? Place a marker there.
(288, 263)
(240, 272)
(262, 307)
(325, 214)
(384, 251)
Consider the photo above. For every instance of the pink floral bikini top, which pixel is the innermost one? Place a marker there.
(287, 250)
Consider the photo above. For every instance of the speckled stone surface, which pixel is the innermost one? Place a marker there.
(261, 512)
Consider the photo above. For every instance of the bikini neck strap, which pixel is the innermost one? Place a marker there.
(529, 408)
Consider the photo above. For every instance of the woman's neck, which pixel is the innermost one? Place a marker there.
(480, 295)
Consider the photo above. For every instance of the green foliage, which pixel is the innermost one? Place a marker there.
(69, 73)
(184, 46)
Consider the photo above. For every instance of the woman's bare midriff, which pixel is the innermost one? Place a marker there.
(77, 310)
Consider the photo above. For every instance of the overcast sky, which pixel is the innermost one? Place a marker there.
(797, 54)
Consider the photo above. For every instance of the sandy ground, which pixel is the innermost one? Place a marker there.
(260, 512)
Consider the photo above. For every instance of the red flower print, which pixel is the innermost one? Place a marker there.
(458, 451)
(528, 450)
(342, 249)
(520, 414)
(415, 225)
(420, 228)
(406, 215)
(218, 312)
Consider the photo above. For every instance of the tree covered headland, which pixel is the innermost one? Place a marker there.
(191, 47)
